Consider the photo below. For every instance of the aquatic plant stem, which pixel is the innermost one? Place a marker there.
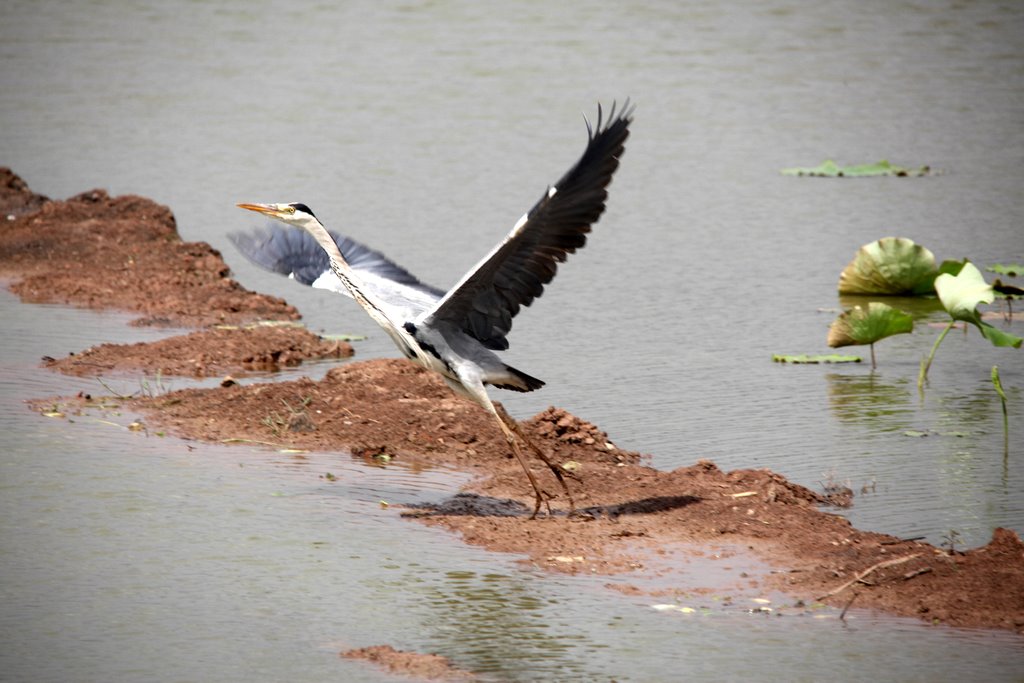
(998, 384)
(927, 363)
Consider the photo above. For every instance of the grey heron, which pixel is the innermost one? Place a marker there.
(456, 333)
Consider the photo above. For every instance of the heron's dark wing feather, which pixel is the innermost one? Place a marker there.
(515, 272)
(296, 254)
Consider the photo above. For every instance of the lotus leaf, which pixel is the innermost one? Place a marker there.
(830, 169)
(890, 266)
(868, 325)
(804, 359)
(1010, 270)
(960, 296)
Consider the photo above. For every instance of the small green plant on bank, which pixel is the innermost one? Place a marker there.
(280, 424)
(146, 389)
(950, 540)
(158, 388)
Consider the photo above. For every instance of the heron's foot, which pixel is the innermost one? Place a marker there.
(558, 471)
(560, 474)
(536, 507)
(584, 515)
(542, 498)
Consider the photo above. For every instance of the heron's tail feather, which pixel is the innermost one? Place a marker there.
(517, 380)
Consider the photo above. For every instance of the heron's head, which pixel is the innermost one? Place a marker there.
(296, 214)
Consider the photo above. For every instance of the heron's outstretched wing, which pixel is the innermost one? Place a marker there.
(484, 302)
(296, 254)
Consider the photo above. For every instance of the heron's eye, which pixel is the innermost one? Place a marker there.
(289, 210)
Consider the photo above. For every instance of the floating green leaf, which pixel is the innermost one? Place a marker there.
(804, 359)
(1010, 270)
(867, 325)
(830, 169)
(890, 266)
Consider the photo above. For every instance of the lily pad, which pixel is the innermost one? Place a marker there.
(1009, 270)
(868, 325)
(962, 294)
(830, 169)
(805, 359)
(889, 266)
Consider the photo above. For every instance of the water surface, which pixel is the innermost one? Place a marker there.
(425, 130)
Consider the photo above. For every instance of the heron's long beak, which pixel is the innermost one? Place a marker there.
(268, 209)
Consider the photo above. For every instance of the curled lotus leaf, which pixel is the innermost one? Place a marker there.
(867, 325)
(889, 266)
(962, 294)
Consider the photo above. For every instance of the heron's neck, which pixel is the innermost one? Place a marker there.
(377, 309)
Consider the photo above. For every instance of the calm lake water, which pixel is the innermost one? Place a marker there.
(425, 130)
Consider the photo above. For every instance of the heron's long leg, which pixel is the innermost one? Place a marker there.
(510, 437)
(507, 419)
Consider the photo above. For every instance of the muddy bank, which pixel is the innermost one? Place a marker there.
(123, 253)
(250, 348)
(390, 411)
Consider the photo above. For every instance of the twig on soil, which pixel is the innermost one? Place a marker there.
(255, 441)
(897, 541)
(842, 615)
(359, 417)
(916, 572)
(874, 567)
